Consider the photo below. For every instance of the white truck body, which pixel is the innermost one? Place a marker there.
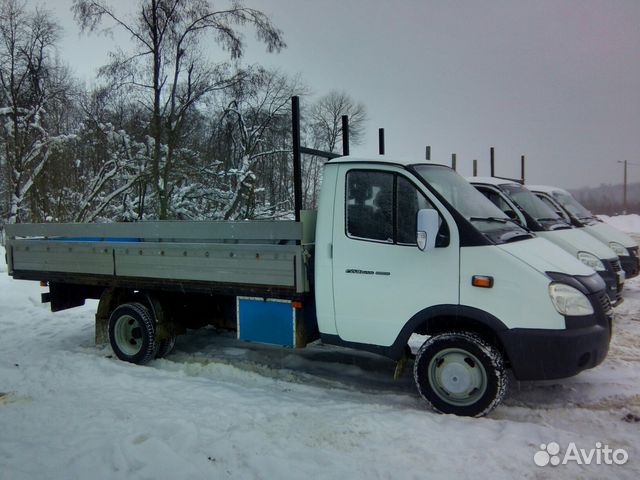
(622, 244)
(489, 295)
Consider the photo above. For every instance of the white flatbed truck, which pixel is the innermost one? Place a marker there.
(399, 248)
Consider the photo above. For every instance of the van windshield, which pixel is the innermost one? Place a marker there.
(572, 205)
(474, 206)
(535, 207)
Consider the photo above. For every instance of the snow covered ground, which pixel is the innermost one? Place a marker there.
(627, 223)
(215, 409)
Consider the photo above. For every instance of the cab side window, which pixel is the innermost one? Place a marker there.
(499, 202)
(553, 207)
(383, 207)
(410, 200)
(369, 211)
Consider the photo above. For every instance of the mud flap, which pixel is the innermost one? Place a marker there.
(401, 364)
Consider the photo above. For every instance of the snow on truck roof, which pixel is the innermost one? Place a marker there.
(388, 160)
(490, 180)
(505, 181)
(545, 189)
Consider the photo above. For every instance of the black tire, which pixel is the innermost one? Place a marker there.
(460, 373)
(132, 333)
(165, 346)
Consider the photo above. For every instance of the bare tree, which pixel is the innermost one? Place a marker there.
(258, 112)
(122, 170)
(325, 132)
(168, 69)
(326, 119)
(33, 85)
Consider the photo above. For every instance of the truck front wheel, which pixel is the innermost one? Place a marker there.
(132, 333)
(460, 373)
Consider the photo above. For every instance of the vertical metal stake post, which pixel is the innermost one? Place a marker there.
(297, 164)
(345, 135)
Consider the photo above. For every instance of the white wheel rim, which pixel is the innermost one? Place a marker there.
(128, 335)
(457, 377)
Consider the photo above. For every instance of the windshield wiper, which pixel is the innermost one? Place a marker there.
(560, 226)
(559, 223)
(513, 236)
(494, 219)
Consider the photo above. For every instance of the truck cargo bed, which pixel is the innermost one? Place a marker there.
(257, 255)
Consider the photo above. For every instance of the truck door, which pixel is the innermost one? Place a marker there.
(380, 278)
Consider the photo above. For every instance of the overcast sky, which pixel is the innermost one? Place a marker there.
(557, 81)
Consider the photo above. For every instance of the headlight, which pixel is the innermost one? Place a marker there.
(590, 260)
(569, 301)
(618, 249)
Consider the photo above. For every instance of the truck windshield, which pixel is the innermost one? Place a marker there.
(536, 208)
(470, 203)
(571, 204)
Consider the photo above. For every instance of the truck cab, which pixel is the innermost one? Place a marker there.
(564, 204)
(524, 207)
(490, 294)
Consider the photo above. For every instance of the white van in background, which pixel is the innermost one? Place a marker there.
(524, 207)
(563, 203)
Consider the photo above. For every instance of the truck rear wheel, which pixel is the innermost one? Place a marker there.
(460, 373)
(132, 333)
(165, 346)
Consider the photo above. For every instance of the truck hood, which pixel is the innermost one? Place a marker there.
(606, 233)
(544, 256)
(575, 240)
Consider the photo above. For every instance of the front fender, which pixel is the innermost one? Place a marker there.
(430, 320)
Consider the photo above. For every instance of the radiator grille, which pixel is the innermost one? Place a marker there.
(605, 302)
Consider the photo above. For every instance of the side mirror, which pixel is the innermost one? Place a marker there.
(428, 225)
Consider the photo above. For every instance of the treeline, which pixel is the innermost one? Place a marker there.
(165, 133)
(608, 199)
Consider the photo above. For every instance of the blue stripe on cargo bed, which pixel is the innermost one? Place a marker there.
(92, 239)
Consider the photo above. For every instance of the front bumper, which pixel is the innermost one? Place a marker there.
(550, 354)
(541, 354)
